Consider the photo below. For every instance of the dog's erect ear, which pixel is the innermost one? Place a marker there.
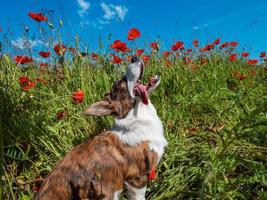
(100, 108)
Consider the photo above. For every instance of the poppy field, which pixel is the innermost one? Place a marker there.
(212, 101)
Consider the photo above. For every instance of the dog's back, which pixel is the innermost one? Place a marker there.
(98, 168)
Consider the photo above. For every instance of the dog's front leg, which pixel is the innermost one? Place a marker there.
(135, 193)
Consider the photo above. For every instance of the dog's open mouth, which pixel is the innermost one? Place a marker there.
(143, 90)
(134, 74)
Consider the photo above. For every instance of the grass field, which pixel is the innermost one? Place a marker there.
(213, 108)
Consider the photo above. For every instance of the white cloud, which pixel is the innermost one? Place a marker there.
(22, 43)
(114, 11)
(84, 6)
(87, 23)
(103, 22)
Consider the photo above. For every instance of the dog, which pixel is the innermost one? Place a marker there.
(124, 156)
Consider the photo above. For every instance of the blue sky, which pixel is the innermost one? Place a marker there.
(244, 21)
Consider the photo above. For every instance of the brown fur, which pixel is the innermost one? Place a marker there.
(98, 168)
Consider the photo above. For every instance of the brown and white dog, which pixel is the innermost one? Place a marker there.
(100, 168)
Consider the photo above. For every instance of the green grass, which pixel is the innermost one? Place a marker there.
(215, 124)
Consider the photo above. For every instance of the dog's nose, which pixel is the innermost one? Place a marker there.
(134, 59)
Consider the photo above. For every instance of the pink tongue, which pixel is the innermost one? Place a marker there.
(142, 92)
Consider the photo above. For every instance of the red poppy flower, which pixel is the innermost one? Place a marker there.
(187, 60)
(133, 34)
(166, 54)
(178, 45)
(22, 59)
(61, 115)
(28, 86)
(39, 17)
(78, 96)
(189, 50)
(146, 59)
(24, 80)
(94, 56)
(233, 44)
(262, 54)
(60, 49)
(152, 174)
(224, 45)
(168, 63)
(239, 76)
(208, 47)
(245, 54)
(217, 41)
(139, 52)
(253, 72)
(43, 64)
(120, 46)
(44, 54)
(116, 59)
(252, 62)
(233, 57)
(71, 49)
(195, 43)
(194, 67)
(155, 46)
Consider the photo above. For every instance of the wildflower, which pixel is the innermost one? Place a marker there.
(168, 63)
(152, 174)
(224, 45)
(23, 80)
(28, 85)
(43, 65)
(78, 96)
(253, 72)
(133, 34)
(245, 54)
(217, 41)
(39, 17)
(60, 49)
(146, 59)
(116, 59)
(178, 45)
(189, 51)
(233, 57)
(120, 46)
(262, 54)
(239, 76)
(233, 44)
(44, 54)
(252, 62)
(71, 49)
(94, 56)
(22, 59)
(208, 47)
(195, 43)
(139, 52)
(166, 54)
(61, 115)
(155, 46)
(194, 67)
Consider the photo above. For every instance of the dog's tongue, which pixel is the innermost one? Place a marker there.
(141, 91)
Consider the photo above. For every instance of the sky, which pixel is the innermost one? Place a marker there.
(244, 21)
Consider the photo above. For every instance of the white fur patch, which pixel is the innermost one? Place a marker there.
(141, 124)
(135, 193)
(117, 195)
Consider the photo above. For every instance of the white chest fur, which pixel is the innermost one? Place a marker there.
(141, 124)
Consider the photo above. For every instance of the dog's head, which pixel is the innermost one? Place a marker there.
(124, 93)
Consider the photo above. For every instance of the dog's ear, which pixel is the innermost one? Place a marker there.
(100, 108)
